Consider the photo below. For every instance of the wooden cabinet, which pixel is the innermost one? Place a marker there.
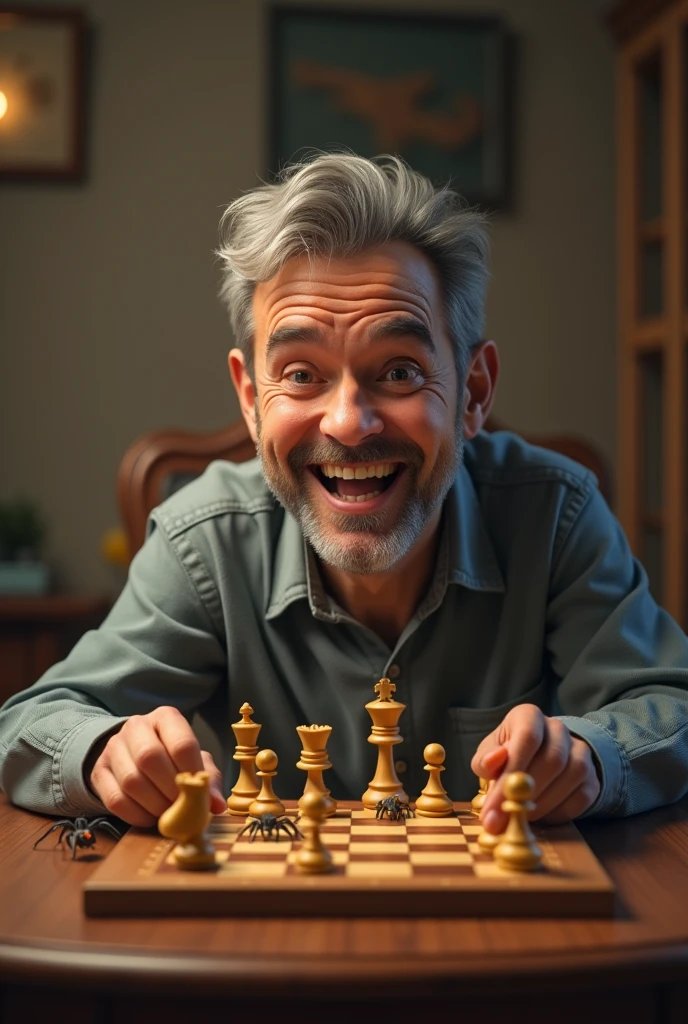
(652, 91)
(36, 632)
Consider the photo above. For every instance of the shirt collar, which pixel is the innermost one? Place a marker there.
(466, 556)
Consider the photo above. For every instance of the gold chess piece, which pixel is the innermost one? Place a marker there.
(266, 802)
(518, 850)
(433, 801)
(385, 713)
(488, 841)
(479, 798)
(246, 788)
(315, 761)
(313, 858)
(187, 820)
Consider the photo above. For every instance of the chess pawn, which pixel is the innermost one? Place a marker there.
(479, 798)
(385, 713)
(266, 802)
(246, 789)
(315, 761)
(186, 821)
(488, 841)
(518, 849)
(313, 858)
(433, 801)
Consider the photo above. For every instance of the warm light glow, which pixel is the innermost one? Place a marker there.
(3, 104)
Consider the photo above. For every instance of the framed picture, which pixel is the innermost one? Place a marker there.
(41, 93)
(433, 89)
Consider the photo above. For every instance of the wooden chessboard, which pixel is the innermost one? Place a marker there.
(417, 867)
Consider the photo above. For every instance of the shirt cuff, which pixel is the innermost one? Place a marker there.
(612, 764)
(68, 764)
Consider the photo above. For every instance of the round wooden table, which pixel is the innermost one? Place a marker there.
(631, 968)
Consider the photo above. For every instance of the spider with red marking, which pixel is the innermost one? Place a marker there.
(79, 832)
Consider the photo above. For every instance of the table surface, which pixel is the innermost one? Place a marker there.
(44, 932)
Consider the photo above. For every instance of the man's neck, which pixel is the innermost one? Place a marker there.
(386, 602)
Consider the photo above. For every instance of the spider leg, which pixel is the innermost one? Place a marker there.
(244, 829)
(46, 834)
(105, 824)
(71, 842)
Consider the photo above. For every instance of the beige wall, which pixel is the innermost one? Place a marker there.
(109, 325)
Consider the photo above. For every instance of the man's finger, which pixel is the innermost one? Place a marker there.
(218, 804)
(485, 752)
(148, 752)
(552, 759)
(527, 728)
(134, 783)
(525, 731)
(179, 740)
(118, 803)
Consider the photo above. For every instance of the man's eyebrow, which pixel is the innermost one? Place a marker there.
(404, 326)
(286, 335)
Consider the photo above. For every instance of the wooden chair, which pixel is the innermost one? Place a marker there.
(160, 462)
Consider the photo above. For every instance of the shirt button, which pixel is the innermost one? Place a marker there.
(393, 672)
(400, 767)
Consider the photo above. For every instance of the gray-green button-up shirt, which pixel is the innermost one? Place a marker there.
(536, 598)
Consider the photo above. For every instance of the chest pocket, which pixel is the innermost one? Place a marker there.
(469, 726)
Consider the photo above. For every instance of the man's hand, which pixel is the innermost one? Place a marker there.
(134, 772)
(562, 765)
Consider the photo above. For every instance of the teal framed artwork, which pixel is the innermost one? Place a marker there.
(434, 89)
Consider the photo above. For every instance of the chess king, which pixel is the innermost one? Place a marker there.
(379, 532)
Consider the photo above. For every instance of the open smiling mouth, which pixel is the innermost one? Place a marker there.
(357, 483)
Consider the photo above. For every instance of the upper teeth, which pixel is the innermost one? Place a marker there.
(379, 469)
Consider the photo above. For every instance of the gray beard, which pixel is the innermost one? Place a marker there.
(382, 545)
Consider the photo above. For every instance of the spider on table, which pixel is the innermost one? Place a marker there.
(79, 832)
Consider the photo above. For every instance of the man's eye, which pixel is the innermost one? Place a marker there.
(403, 375)
(300, 377)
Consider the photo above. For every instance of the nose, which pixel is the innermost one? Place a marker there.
(349, 416)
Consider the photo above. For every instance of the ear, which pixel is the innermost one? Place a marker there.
(479, 389)
(245, 390)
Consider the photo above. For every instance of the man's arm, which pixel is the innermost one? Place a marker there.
(621, 744)
(158, 648)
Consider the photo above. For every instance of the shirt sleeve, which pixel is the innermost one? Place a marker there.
(158, 646)
(622, 662)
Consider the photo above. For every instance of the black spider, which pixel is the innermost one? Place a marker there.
(268, 825)
(79, 832)
(394, 808)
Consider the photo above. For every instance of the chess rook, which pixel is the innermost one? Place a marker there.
(315, 761)
(246, 789)
(385, 713)
(518, 849)
(266, 802)
(313, 858)
(433, 801)
(186, 821)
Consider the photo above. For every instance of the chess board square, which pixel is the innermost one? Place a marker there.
(438, 839)
(261, 848)
(438, 859)
(371, 869)
(259, 868)
(389, 850)
(427, 823)
(376, 830)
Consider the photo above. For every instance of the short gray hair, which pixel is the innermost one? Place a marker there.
(337, 205)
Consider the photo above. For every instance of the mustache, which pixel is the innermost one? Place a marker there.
(379, 450)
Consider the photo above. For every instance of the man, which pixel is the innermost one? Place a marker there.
(380, 533)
